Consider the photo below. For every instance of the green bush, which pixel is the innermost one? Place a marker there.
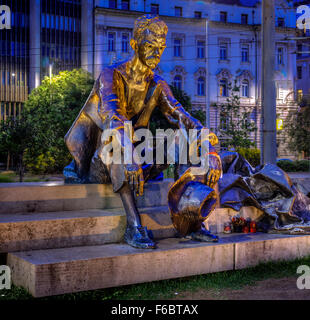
(250, 154)
(303, 165)
(294, 166)
(286, 165)
(42, 164)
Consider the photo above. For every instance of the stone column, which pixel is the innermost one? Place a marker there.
(34, 44)
(99, 49)
(87, 25)
(269, 149)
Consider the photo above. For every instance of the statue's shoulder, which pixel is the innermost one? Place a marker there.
(159, 80)
(108, 72)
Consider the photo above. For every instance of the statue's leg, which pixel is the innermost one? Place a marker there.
(129, 203)
(204, 235)
(135, 235)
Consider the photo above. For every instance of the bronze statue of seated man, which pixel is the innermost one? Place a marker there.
(130, 91)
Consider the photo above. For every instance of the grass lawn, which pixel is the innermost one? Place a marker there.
(167, 289)
(11, 176)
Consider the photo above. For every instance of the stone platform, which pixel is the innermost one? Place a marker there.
(65, 238)
(58, 271)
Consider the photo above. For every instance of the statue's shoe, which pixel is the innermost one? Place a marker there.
(139, 237)
(204, 236)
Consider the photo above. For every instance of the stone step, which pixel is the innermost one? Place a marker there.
(26, 231)
(57, 196)
(44, 230)
(58, 271)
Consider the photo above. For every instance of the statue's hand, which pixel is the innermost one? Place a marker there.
(215, 170)
(134, 175)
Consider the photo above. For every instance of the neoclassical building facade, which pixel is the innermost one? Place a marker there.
(210, 45)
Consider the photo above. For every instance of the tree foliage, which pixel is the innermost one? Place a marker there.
(15, 137)
(298, 128)
(235, 121)
(50, 110)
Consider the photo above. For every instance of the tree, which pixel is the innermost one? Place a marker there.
(235, 123)
(15, 137)
(298, 128)
(50, 110)
(186, 102)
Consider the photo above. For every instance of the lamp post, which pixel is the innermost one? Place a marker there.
(269, 148)
(207, 77)
(50, 72)
(13, 78)
(50, 89)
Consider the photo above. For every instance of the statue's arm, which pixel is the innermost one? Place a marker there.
(109, 108)
(173, 110)
(175, 114)
(111, 113)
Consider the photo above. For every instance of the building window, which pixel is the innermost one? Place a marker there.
(155, 8)
(112, 4)
(223, 88)
(177, 47)
(244, 19)
(177, 82)
(111, 41)
(223, 51)
(299, 72)
(245, 54)
(178, 11)
(281, 22)
(200, 49)
(299, 95)
(224, 121)
(245, 88)
(223, 16)
(125, 42)
(197, 14)
(299, 50)
(280, 56)
(201, 86)
(125, 4)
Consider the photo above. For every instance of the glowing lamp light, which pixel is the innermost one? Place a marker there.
(279, 124)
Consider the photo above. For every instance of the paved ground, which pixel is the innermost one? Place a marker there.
(299, 175)
(271, 289)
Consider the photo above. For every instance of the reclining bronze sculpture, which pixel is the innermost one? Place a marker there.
(130, 91)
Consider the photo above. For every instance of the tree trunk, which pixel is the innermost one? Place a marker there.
(8, 161)
(21, 168)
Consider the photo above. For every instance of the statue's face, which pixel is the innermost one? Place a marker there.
(150, 49)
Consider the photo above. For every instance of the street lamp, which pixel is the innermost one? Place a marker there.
(50, 71)
(207, 84)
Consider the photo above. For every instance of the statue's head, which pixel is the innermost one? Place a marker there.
(149, 41)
